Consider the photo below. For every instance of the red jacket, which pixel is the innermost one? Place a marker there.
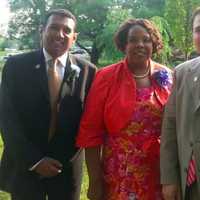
(110, 102)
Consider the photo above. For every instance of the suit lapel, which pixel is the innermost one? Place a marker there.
(193, 82)
(41, 74)
(69, 83)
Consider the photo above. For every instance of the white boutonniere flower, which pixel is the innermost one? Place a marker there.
(71, 79)
(76, 69)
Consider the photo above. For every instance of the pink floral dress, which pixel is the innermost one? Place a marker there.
(131, 158)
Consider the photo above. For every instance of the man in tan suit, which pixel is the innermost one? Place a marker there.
(180, 140)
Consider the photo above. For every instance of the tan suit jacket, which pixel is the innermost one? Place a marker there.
(181, 126)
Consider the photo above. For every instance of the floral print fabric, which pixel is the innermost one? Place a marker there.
(131, 158)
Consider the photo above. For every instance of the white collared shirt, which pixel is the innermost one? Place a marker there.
(60, 65)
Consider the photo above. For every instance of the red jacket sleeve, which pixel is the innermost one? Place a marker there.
(92, 128)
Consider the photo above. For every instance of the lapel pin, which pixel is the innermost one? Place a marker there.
(195, 78)
(37, 66)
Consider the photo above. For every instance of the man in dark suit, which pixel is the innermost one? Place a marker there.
(42, 95)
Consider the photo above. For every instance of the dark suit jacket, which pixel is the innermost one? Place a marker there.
(25, 114)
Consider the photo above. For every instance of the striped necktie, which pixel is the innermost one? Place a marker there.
(54, 82)
(191, 175)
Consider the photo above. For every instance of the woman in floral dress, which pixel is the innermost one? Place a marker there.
(121, 125)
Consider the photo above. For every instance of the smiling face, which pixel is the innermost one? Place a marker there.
(196, 33)
(139, 45)
(58, 35)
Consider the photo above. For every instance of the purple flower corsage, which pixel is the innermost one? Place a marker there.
(163, 78)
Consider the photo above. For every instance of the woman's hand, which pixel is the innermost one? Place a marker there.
(94, 167)
(171, 192)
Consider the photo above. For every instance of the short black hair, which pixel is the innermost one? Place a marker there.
(121, 35)
(194, 14)
(62, 13)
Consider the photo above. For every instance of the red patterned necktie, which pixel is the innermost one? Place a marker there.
(191, 175)
(54, 82)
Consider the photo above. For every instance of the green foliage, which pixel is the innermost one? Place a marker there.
(164, 29)
(28, 14)
(6, 43)
(98, 20)
(91, 16)
(178, 14)
(2, 43)
(114, 18)
(143, 8)
(4, 196)
(24, 24)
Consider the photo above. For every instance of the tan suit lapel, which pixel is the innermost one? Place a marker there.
(193, 82)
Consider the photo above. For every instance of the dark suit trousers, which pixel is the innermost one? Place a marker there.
(192, 193)
(65, 186)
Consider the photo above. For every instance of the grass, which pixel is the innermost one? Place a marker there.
(3, 195)
(84, 185)
(6, 196)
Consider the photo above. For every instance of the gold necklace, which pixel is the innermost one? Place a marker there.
(143, 75)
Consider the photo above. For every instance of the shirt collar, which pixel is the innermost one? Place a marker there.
(62, 59)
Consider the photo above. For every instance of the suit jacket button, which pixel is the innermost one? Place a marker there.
(191, 144)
